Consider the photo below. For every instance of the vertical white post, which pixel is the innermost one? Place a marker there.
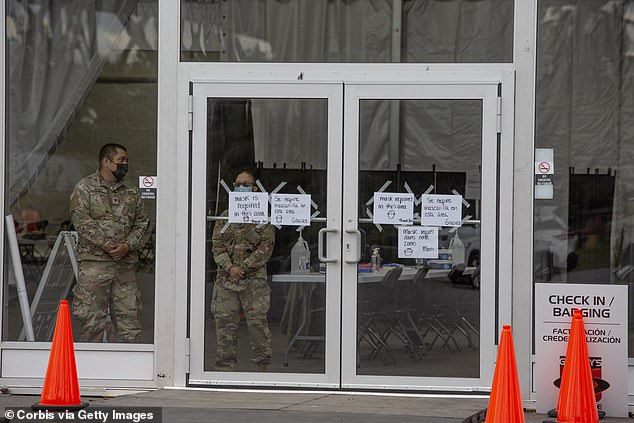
(524, 64)
(171, 228)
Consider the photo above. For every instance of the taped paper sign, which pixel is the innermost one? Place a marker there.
(393, 208)
(290, 209)
(417, 242)
(248, 207)
(441, 210)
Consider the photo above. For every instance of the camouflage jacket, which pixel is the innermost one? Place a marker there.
(104, 213)
(242, 245)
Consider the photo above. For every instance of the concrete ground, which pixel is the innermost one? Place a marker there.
(215, 405)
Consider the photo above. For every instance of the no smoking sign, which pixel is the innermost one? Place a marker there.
(544, 168)
(544, 173)
(147, 187)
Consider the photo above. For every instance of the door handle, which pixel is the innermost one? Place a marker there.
(320, 246)
(357, 257)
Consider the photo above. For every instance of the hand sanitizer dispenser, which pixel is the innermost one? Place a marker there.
(457, 250)
(376, 260)
(300, 256)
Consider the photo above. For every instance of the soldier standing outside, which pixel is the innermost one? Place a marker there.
(241, 253)
(108, 215)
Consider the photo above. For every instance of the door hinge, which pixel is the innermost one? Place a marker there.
(190, 112)
(187, 354)
(498, 116)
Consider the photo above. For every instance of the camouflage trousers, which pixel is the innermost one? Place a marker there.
(225, 305)
(106, 289)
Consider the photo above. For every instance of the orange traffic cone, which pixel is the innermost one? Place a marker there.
(577, 402)
(505, 403)
(61, 387)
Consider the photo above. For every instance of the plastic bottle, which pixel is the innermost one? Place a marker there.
(457, 250)
(300, 256)
(375, 260)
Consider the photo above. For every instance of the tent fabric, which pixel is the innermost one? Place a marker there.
(356, 31)
(81, 73)
(584, 105)
(56, 52)
(434, 31)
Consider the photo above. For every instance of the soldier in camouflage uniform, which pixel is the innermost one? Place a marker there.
(108, 216)
(241, 253)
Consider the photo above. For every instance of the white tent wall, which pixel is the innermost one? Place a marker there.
(584, 111)
(81, 74)
(361, 31)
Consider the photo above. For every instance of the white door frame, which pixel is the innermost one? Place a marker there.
(193, 74)
(333, 92)
(487, 93)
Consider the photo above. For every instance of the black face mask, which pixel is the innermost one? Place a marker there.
(120, 172)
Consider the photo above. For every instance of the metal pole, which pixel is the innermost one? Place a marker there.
(19, 276)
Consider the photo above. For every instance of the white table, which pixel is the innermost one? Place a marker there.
(362, 277)
(315, 277)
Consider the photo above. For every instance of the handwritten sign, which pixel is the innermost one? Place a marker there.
(441, 210)
(290, 209)
(393, 208)
(248, 207)
(417, 242)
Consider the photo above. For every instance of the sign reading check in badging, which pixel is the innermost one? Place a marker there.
(604, 310)
(290, 209)
(248, 207)
(393, 208)
(441, 210)
(417, 242)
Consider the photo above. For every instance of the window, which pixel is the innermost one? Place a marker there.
(585, 117)
(427, 31)
(80, 75)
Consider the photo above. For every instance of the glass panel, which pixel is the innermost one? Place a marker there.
(80, 75)
(264, 285)
(417, 316)
(347, 31)
(584, 230)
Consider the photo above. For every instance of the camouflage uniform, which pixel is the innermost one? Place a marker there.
(105, 213)
(248, 247)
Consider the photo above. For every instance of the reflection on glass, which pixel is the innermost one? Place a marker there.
(265, 288)
(430, 31)
(81, 76)
(585, 114)
(420, 317)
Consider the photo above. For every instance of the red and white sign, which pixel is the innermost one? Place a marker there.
(544, 168)
(148, 182)
(147, 187)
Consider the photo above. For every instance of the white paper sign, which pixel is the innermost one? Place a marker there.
(604, 308)
(417, 242)
(393, 208)
(290, 209)
(248, 207)
(441, 210)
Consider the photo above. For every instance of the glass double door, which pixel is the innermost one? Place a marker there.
(343, 235)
